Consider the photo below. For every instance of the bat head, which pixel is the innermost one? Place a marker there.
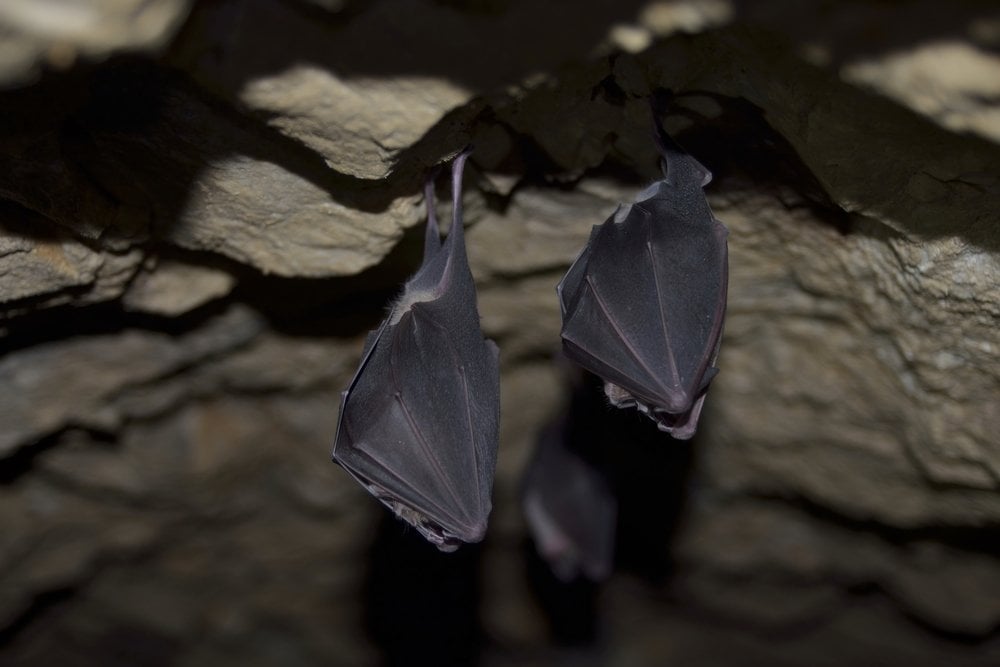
(681, 424)
(441, 537)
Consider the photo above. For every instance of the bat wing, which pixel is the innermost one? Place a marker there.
(569, 508)
(419, 423)
(645, 303)
(568, 288)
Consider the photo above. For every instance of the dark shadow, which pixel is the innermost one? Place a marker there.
(980, 539)
(340, 307)
(34, 611)
(114, 149)
(22, 460)
(40, 637)
(570, 607)
(855, 30)
(746, 154)
(481, 45)
(149, 129)
(421, 606)
(741, 149)
(460, 40)
(648, 472)
(111, 152)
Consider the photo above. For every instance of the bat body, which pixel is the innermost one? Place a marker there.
(643, 305)
(419, 422)
(570, 508)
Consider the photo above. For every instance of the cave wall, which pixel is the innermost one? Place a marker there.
(205, 206)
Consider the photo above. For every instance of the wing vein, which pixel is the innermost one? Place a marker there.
(415, 428)
(401, 484)
(671, 357)
(621, 334)
(472, 435)
(456, 360)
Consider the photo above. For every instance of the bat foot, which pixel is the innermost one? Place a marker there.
(679, 424)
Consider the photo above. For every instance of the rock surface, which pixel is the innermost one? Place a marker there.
(37, 34)
(205, 206)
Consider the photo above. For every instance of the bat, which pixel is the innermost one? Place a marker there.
(643, 305)
(569, 507)
(419, 422)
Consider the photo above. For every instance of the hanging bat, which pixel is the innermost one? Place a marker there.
(569, 507)
(419, 422)
(644, 303)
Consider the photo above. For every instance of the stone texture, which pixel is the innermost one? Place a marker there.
(319, 236)
(170, 287)
(32, 267)
(193, 245)
(54, 35)
(72, 382)
(258, 200)
(952, 82)
(904, 458)
(777, 543)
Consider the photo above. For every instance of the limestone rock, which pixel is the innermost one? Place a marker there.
(46, 33)
(263, 215)
(954, 83)
(70, 383)
(46, 189)
(415, 62)
(541, 230)
(773, 542)
(328, 114)
(193, 244)
(32, 267)
(253, 197)
(359, 124)
(172, 287)
(42, 262)
(891, 448)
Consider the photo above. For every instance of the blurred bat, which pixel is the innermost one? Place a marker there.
(419, 423)
(644, 303)
(567, 501)
(570, 509)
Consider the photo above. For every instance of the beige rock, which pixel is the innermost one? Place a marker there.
(41, 260)
(261, 214)
(174, 489)
(358, 123)
(51, 386)
(33, 267)
(542, 230)
(172, 288)
(952, 589)
(228, 190)
(49, 33)
(55, 191)
(890, 446)
(953, 82)
(332, 115)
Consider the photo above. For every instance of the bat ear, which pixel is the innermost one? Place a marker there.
(440, 259)
(432, 236)
(670, 164)
(676, 163)
(457, 169)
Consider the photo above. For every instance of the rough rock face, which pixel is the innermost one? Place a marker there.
(205, 206)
